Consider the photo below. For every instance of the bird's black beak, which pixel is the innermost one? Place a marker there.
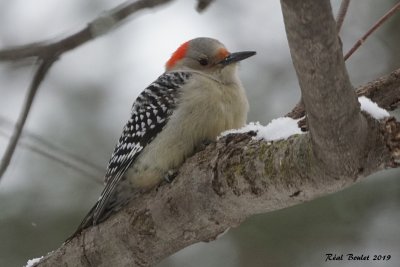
(235, 57)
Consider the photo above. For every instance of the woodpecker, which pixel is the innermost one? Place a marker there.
(194, 100)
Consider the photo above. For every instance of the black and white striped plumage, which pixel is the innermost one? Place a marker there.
(150, 113)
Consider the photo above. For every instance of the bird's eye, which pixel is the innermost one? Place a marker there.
(203, 61)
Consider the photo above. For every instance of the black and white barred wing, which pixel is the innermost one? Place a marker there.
(150, 113)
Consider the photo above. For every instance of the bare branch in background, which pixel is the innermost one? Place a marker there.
(47, 53)
(341, 14)
(372, 29)
(203, 4)
(99, 26)
(41, 72)
(54, 152)
(51, 146)
(59, 159)
(98, 169)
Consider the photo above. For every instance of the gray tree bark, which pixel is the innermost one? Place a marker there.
(239, 176)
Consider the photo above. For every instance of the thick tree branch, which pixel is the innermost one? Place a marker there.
(337, 128)
(216, 189)
(385, 91)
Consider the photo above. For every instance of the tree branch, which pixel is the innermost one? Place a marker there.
(216, 189)
(99, 26)
(341, 14)
(372, 29)
(203, 4)
(56, 153)
(37, 79)
(327, 93)
(385, 91)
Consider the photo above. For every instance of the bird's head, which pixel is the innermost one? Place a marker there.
(208, 56)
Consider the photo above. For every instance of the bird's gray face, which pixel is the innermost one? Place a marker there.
(206, 55)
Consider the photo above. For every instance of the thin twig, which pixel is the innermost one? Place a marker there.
(38, 78)
(372, 29)
(57, 158)
(126, 9)
(77, 158)
(342, 14)
(203, 4)
(45, 147)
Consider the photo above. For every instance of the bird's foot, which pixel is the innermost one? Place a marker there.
(203, 145)
(170, 176)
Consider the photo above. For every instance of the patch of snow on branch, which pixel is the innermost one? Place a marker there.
(280, 128)
(372, 108)
(252, 126)
(33, 262)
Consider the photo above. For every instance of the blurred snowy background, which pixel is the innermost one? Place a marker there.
(85, 100)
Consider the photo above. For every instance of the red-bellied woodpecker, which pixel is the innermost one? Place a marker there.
(198, 97)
